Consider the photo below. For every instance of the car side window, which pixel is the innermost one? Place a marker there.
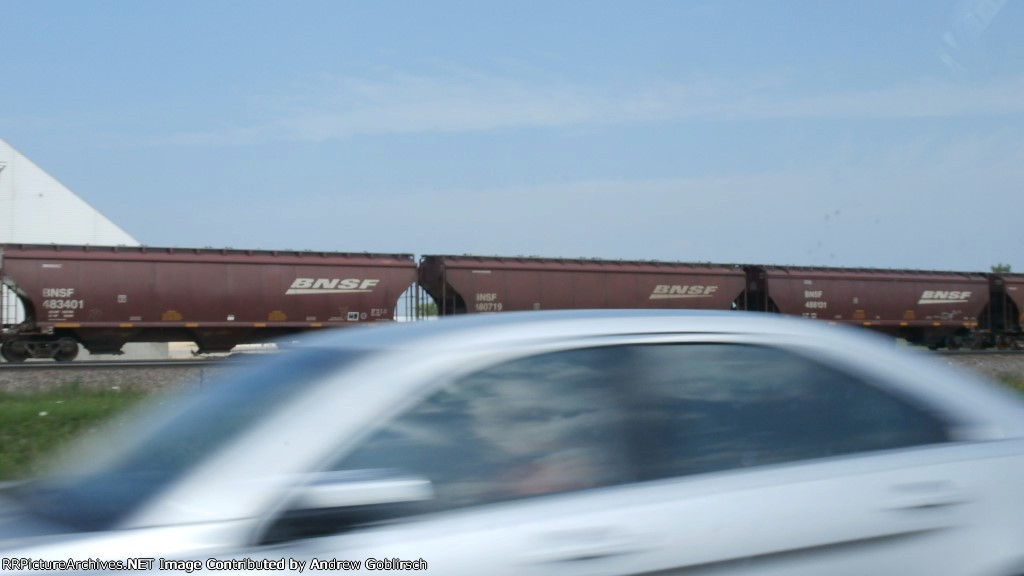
(539, 425)
(711, 407)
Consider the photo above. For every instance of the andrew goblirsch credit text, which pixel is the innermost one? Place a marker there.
(189, 566)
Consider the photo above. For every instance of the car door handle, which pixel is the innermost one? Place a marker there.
(926, 495)
(567, 546)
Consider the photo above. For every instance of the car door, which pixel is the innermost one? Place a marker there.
(763, 461)
(525, 460)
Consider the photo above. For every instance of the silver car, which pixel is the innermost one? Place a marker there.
(579, 443)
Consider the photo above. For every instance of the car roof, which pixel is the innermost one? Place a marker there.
(542, 325)
(868, 353)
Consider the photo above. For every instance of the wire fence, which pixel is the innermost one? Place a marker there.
(414, 305)
(11, 310)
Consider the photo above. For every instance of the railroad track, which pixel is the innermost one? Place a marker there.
(33, 365)
(30, 365)
(158, 375)
(124, 374)
(965, 352)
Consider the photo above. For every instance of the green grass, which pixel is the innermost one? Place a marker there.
(1014, 381)
(33, 424)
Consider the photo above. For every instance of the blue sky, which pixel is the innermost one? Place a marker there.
(868, 133)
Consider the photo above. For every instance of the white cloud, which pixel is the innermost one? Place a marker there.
(462, 102)
(919, 100)
(919, 203)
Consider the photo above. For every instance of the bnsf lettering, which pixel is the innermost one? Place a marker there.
(58, 292)
(347, 284)
(333, 284)
(813, 293)
(946, 295)
(684, 290)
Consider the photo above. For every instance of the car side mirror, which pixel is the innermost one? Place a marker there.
(335, 502)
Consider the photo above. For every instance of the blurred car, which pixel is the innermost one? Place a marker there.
(611, 442)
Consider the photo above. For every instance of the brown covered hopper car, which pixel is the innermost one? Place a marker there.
(933, 308)
(103, 297)
(1007, 309)
(461, 284)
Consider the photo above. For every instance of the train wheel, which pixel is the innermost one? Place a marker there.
(14, 352)
(68, 350)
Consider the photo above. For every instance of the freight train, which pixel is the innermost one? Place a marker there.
(104, 297)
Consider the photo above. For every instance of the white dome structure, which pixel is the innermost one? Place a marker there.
(35, 208)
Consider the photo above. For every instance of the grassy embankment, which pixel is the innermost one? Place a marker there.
(1013, 381)
(33, 424)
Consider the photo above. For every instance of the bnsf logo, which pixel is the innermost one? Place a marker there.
(944, 296)
(666, 291)
(331, 285)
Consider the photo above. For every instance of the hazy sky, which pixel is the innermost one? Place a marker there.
(864, 133)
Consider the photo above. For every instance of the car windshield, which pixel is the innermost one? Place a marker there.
(117, 471)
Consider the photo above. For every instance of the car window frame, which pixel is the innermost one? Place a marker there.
(640, 438)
